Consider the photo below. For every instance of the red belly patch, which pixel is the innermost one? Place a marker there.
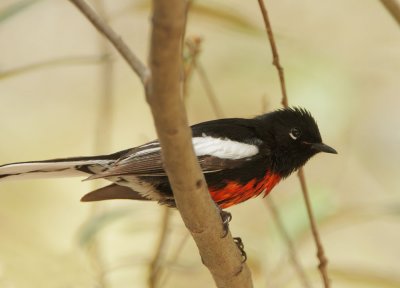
(234, 192)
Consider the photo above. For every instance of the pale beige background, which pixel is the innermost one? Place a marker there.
(342, 62)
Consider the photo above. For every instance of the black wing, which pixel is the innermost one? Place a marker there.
(146, 160)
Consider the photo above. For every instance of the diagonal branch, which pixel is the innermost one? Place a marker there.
(105, 29)
(320, 250)
(163, 93)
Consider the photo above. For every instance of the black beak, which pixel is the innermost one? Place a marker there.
(321, 147)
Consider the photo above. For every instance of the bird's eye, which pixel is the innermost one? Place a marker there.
(294, 133)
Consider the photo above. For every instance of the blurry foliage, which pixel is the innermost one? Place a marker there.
(97, 223)
(15, 8)
(72, 60)
(293, 217)
(363, 278)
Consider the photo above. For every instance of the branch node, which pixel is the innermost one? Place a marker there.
(199, 183)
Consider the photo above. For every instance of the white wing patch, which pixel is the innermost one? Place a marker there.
(223, 148)
(206, 145)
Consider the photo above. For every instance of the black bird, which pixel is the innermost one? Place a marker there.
(240, 159)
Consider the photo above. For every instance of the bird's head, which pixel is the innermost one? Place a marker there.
(296, 138)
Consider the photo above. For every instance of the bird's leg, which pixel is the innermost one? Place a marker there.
(239, 243)
(226, 218)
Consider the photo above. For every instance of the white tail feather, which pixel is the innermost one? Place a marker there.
(48, 169)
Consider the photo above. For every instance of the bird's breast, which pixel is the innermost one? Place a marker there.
(235, 192)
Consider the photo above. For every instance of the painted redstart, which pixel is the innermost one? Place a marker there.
(240, 158)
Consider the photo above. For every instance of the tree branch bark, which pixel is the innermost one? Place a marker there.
(197, 209)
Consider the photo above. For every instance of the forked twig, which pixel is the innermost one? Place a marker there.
(320, 250)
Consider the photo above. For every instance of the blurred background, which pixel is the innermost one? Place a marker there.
(342, 62)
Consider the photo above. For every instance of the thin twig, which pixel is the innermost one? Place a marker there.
(188, 5)
(155, 263)
(193, 50)
(194, 46)
(323, 261)
(275, 55)
(320, 251)
(289, 243)
(71, 60)
(209, 90)
(276, 217)
(393, 7)
(133, 61)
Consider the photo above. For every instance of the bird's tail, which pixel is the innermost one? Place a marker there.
(64, 167)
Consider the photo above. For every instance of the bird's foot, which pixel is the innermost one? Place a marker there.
(226, 218)
(239, 243)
